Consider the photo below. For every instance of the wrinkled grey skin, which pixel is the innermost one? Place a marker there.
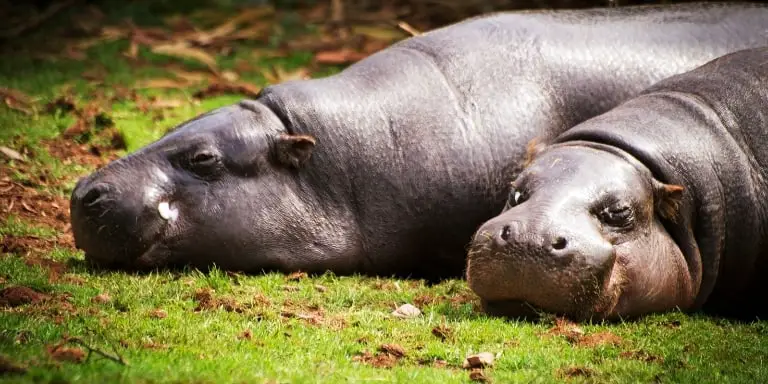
(391, 165)
(660, 203)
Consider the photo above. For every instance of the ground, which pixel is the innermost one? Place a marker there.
(93, 84)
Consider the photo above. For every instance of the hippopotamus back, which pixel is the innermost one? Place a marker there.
(389, 166)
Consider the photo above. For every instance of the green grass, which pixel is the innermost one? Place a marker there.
(310, 330)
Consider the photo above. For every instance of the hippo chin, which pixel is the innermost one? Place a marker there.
(657, 204)
(389, 166)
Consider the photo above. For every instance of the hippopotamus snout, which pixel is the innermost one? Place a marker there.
(116, 221)
(546, 263)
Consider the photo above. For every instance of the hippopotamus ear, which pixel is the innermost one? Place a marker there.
(667, 198)
(294, 150)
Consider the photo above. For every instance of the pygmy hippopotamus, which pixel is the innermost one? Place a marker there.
(390, 166)
(660, 203)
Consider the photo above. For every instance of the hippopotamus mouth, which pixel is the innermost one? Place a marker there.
(529, 297)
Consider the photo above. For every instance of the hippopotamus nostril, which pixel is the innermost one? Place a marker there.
(505, 233)
(95, 194)
(559, 243)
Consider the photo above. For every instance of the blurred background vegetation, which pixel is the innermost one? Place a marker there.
(426, 14)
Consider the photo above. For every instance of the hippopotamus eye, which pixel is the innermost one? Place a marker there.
(203, 162)
(515, 197)
(617, 216)
(203, 158)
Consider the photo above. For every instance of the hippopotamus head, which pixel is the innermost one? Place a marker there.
(222, 187)
(583, 235)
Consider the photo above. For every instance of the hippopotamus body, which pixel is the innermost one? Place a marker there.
(660, 203)
(390, 166)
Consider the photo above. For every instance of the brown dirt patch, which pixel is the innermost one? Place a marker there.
(55, 268)
(158, 314)
(70, 354)
(442, 332)
(424, 300)
(387, 356)
(576, 371)
(246, 335)
(33, 246)
(102, 298)
(296, 276)
(599, 338)
(207, 300)
(20, 295)
(575, 335)
(70, 152)
(33, 205)
(567, 329)
(379, 360)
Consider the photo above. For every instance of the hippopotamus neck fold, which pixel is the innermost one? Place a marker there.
(723, 174)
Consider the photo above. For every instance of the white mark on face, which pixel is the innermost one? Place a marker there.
(167, 212)
(517, 197)
(160, 176)
(151, 195)
(152, 192)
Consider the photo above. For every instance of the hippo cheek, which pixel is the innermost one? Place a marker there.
(655, 277)
(518, 271)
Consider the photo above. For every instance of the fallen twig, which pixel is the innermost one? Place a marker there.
(76, 340)
(408, 28)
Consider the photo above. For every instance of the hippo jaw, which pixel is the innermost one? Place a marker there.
(520, 275)
(581, 236)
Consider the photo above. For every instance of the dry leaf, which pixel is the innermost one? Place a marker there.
(406, 311)
(183, 50)
(17, 100)
(341, 56)
(477, 375)
(408, 28)
(442, 332)
(11, 154)
(206, 37)
(229, 76)
(161, 84)
(166, 103)
(253, 32)
(222, 88)
(296, 276)
(102, 298)
(393, 349)
(158, 314)
(480, 360)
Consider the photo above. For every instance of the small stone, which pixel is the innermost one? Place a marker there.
(11, 154)
(480, 360)
(406, 311)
